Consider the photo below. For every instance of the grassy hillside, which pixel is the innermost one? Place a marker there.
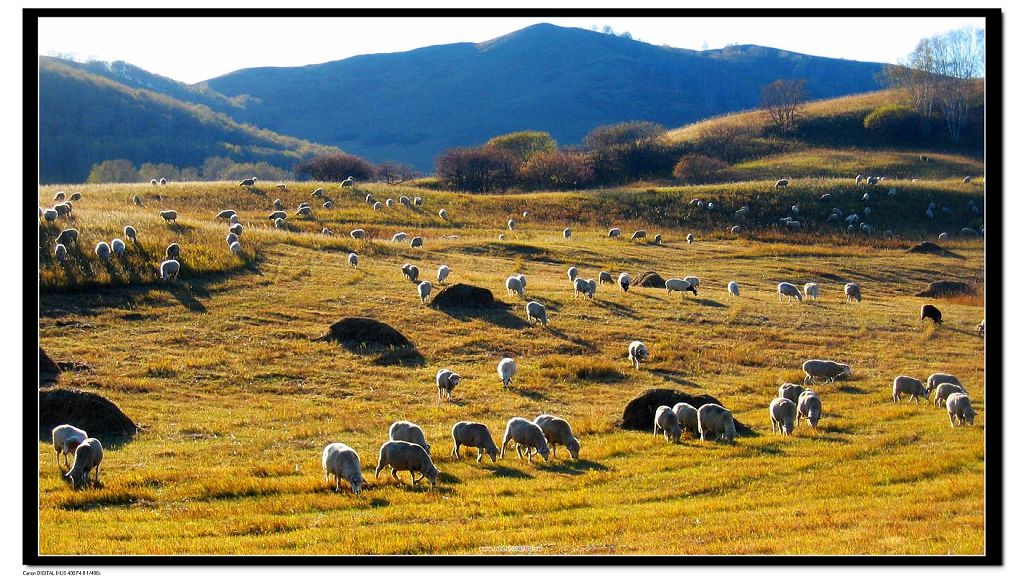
(236, 403)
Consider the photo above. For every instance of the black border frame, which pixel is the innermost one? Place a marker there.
(995, 458)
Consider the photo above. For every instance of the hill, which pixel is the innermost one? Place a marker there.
(410, 106)
(85, 118)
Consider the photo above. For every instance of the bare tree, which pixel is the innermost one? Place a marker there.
(781, 99)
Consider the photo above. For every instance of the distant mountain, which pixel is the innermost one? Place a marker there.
(95, 112)
(410, 106)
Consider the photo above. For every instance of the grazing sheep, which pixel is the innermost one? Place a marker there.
(232, 237)
(624, 282)
(906, 385)
(117, 245)
(639, 234)
(689, 238)
(826, 369)
(169, 216)
(404, 201)
(63, 209)
(667, 422)
(514, 285)
(852, 291)
(931, 312)
(687, 416)
(940, 378)
(378, 206)
(782, 183)
(605, 277)
(790, 290)
(341, 461)
(411, 271)
(693, 281)
(713, 419)
(783, 414)
(511, 224)
(536, 312)
(614, 232)
(967, 179)
(328, 205)
(66, 439)
(235, 247)
(442, 273)
(282, 186)
(657, 239)
(137, 200)
(741, 212)
(566, 233)
(406, 456)
(791, 391)
(58, 196)
(522, 279)
(236, 228)
(103, 250)
(572, 272)
(248, 183)
(735, 229)
(318, 193)
(278, 205)
(169, 269)
(679, 285)
(944, 391)
(446, 381)
(60, 252)
(811, 290)
(585, 286)
(88, 456)
(734, 288)
(476, 435)
(279, 223)
(526, 435)
(327, 232)
(357, 233)
(399, 237)
(278, 215)
(506, 369)
(501, 236)
(348, 182)
(960, 410)
(416, 242)
(637, 353)
(417, 201)
(152, 182)
(353, 260)
(163, 181)
(67, 236)
(558, 432)
(969, 232)
(423, 289)
(304, 211)
(173, 251)
(403, 430)
(226, 214)
(809, 407)
(443, 214)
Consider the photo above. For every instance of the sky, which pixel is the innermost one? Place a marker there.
(197, 49)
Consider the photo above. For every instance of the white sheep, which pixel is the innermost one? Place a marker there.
(226, 214)
(657, 239)
(328, 205)
(137, 200)
(342, 462)
(66, 439)
(88, 456)
(558, 432)
(304, 211)
(169, 216)
(476, 435)
(782, 183)
(169, 269)
(443, 214)
(103, 250)
(566, 233)
(687, 416)
(637, 353)
(49, 215)
(416, 242)
(406, 456)
(826, 369)
(735, 229)
(693, 281)
(689, 238)
(511, 224)
(680, 285)
(58, 196)
(639, 234)
(404, 201)
(353, 260)
(783, 414)
(526, 435)
(944, 391)
(403, 430)
(378, 206)
(390, 202)
(446, 381)
(614, 232)
(624, 282)
(791, 391)
(605, 277)
(423, 289)
(572, 272)
(522, 279)
(278, 205)
(585, 286)
(790, 290)
(68, 236)
(348, 182)
(940, 378)
(326, 231)
(411, 271)
(173, 251)
(734, 288)
(506, 369)
(318, 193)
(713, 419)
(417, 201)
(117, 245)
(536, 312)
(60, 252)
(232, 237)
(442, 273)
(501, 236)
(357, 233)
(852, 291)
(809, 407)
(514, 286)
(279, 223)
(811, 291)
(668, 423)
(131, 234)
(907, 385)
(960, 410)
(277, 215)
(399, 237)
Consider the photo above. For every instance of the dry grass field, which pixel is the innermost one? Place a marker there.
(236, 403)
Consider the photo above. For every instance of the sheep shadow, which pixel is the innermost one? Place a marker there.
(672, 376)
(506, 471)
(408, 357)
(571, 467)
(527, 393)
(852, 390)
(501, 317)
(448, 478)
(768, 449)
(617, 309)
(708, 303)
(186, 295)
(577, 341)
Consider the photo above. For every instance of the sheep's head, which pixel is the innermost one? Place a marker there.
(969, 415)
(357, 483)
(431, 473)
(543, 450)
(453, 381)
(574, 448)
(492, 452)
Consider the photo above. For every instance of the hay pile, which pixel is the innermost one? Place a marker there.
(88, 411)
(650, 279)
(49, 372)
(462, 296)
(639, 412)
(930, 248)
(946, 288)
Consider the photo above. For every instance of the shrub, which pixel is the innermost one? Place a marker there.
(621, 134)
(523, 144)
(557, 170)
(699, 169)
(629, 151)
(335, 168)
(480, 169)
(113, 171)
(395, 172)
(896, 122)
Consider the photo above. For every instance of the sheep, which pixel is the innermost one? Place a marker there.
(357, 233)
(637, 352)
(226, 214)
(169, 269)
(446, 381)
(66, 439)
(735, 229)
(58, 196)
(169, 216)
(826, 369)
(416, 242)
(536, 312)
(687, 416)
(282, 186)
(348, 182)
(173, 251)
(931, 312)
(514, 285)
(403, 430)
(103, 250)
(782, 411)
(370, 199)
(406, 456)
(442, 273)
(163, 181)
(809, 407)
(872, 180)
(960, 410)
(88, 456)
(248, 183)
(811, 291)
(852, 291)
(657, 239)
(234, 220)
(277, 215)
(713, 419)
(782, 183)
(522, 279)
(741, 212)
(423, 289)
(605, 277)
(572, 272)
(614, 232)
(152, 182)
(476, 435)
(679, 285)
(980, 328)
(929, 213)
(279, 223)
(137, 200)
(791, 391)
(318, 193)
(506, 369)
(859, 179)
(341, 461)
(378, 206)
(131, 234)
(67, 236)
(501, 236)
(328, 205)
(558, 432)
(734, 288)
(60, 252)
(511, 224)
(63, 209)
(689, 238)
(278, 205)
(968, 232)
(304, 211)
(944, 390)
(526, 435)
(417, 201)
(584, 286)
(667, 422)
(404, 201)
(693, 281)
(411, 271)
(639, 234)
(232, 237)
(399, 237)
(443, 214)
(236, 228)
(117, 245)
(906, 385)
(624, 282)
(967, 179)
(790, 290)
(566, 233)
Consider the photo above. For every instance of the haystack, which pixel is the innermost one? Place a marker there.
(463, 296)
(946, 288)
(930, 248)
(88, 411)
(49, 372)
(650, 279)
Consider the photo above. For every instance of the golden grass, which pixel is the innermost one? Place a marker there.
(236, 403)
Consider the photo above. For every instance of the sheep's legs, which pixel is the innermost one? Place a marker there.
(455, 451)
(394, 474)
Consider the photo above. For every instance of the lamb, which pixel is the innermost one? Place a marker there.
(585, 286)
(442, 273)
(572, 272)
(511, 224)
(809, 407)
(411, 271)
(637, 353)
(226, 214)
(506, 369)
(826, 369)
(783, 414)
(536, 312)
(941, 378)
(173, 251)
(624, 282)
(906, 385)
(358, 233)
(639, 234)
(236, 229)
(476, 435)
(169, 269)
(60, 252)
(399, 237)
(403, 430)
(526, 435)
(782, 183)
(558, 432)
(931, 312)
(424, 289)
(687, 416)
(443, 214)
(734, 288)
(169, 216)
(790, 290)
(605, 277)
(566, 233)
(131, 234)
(341, 461)
(405, 456)
(66, 439)
(944, 391)
(791, 391)
(416, 242)
(614, 232)
(959, 408)
(117, 245)
(667, 422)
(852, 291)
(88, 456)
(657, 239)
(446, 381)
(679, 285)
(67, 236)
(514, 285)
(693, 281)
(103, 250)
(811, 291)
(713, 419)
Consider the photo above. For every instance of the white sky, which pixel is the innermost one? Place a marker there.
(196, 49)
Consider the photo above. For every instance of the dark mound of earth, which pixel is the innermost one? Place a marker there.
(462, 296)
(48, 370)
(639, 412)
(930, 248)
(88, 411)
(650, 279)
(946, 288)
(362, 335)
